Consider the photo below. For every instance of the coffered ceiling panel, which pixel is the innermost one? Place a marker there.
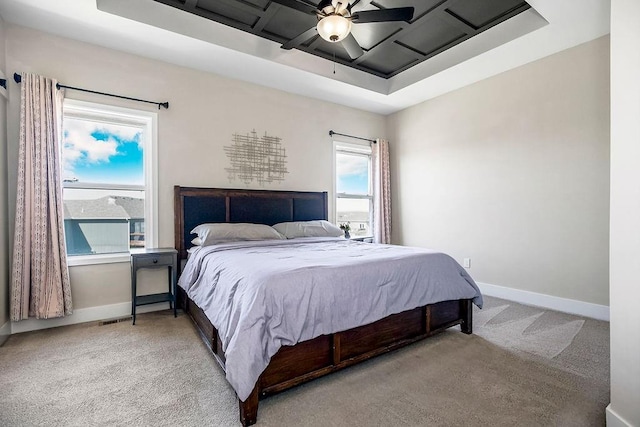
(482, 13)
(434, 35)
(388, 61)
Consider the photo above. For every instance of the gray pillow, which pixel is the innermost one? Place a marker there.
(318, 228)
(210, 234)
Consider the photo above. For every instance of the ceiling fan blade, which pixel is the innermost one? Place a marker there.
(352, 47)
(298, 5)
(383, 15)
(298, 40)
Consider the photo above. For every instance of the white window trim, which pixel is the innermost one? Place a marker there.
(150, 178)
(363, 148)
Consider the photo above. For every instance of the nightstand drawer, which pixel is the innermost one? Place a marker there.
(154, 260)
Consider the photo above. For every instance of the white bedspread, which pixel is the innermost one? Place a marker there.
(263, 295)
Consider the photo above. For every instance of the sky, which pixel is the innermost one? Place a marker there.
(353, 174)
(353, 178)
(98, 152)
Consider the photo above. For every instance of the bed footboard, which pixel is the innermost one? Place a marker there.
(305, 361)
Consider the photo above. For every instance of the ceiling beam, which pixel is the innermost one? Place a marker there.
(362, 3)
(461, 25)
(271, 11)
(243, 7)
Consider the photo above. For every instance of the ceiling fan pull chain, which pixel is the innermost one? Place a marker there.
(334, 62)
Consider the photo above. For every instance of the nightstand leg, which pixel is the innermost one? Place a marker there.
(172, 283)
(133, 295)
(170, 286)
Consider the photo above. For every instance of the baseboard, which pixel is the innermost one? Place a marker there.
(83, 315)
(615, 420)
(5, 331)
(581, 308)
(91, 314)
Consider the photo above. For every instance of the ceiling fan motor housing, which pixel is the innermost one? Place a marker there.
(334, 23)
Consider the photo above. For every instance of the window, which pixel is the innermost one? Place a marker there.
(353, 188)
(108, 176)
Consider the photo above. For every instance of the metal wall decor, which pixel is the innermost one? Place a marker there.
(261, 159)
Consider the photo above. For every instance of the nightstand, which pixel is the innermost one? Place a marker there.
(154, 258)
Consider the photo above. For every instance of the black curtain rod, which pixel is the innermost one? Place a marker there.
(18, 79)
(331, 133)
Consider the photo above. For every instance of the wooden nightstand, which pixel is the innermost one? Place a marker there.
(154, 258)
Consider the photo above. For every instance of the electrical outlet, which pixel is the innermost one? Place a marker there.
(467, 263)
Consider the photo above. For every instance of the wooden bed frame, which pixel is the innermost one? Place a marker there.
(307, 360)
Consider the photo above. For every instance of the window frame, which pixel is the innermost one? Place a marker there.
(359, 149)
(150, 160)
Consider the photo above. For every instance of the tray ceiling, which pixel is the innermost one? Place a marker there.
(389, 47)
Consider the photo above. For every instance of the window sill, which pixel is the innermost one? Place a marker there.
(73, 261)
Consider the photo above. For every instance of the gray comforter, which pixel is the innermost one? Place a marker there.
(263, 295)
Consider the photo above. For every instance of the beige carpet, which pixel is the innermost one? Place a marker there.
(158, 373)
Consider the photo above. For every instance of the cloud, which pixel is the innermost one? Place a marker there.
(352, 165)
(82, 147)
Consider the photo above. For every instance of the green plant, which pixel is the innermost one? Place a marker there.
(345, 226)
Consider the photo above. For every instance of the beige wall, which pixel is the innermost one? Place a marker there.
(4, 226)
(625, 214)
(205, 110)
(513, 172)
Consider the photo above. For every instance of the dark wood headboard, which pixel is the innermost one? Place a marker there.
(194, 206)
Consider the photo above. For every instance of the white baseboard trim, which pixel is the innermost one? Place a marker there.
(83, 315)
(5, 331)
(581, 308)
(615, 420)
(91, 314)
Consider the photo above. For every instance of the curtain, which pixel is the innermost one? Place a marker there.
(40, 284)
(382, 192)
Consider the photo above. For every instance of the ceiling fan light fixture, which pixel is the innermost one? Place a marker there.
(334, 28)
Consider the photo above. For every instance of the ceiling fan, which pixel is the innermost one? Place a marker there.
(334, 22)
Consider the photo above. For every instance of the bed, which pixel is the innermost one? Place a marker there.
(315, 349)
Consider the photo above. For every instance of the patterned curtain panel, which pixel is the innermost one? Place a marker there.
(382, 192)
(40, 285)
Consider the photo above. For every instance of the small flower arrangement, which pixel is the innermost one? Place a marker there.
(346, 227)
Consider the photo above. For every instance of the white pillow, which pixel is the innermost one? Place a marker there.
(319, 228)
(196, 242)
(211, 234)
